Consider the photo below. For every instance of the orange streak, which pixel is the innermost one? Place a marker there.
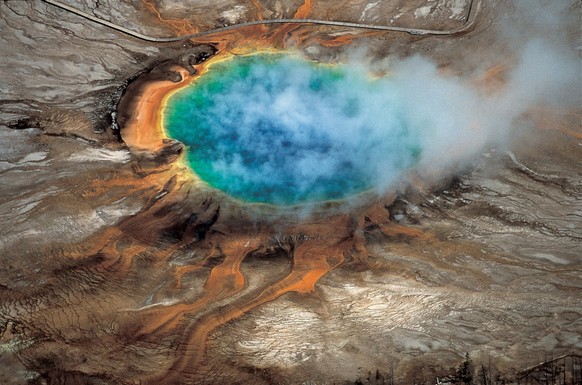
(393, 230)
(379, 215)
(223, 281)
(312, 260)
(281, 33)
(568, 122)
(182, 26)
(303, 11)
(494, 79)
(99, 187)
(144, 130)
(258, 7)
(345, 39)
(181, 271)
(496, 72)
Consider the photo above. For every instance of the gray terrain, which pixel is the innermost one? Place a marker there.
(116, 268)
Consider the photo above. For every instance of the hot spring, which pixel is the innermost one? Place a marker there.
(282, 130)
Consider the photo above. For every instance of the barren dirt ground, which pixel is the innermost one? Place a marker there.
(117, 268)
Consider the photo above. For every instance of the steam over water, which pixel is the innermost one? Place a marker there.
(279, 129)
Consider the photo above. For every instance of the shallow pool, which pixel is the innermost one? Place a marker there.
(279, 129)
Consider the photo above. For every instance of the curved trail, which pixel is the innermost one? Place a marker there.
(469, 22)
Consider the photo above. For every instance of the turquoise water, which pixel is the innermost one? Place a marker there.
(279, 129)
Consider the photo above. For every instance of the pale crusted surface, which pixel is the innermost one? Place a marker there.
(99, 245)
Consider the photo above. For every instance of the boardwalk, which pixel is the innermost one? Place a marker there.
(467, 25)
(563, 370)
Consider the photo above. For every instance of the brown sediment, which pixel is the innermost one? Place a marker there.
(311, 262)
(258, 8)
(144, 130)
(172, 278)
(392, 230)
(312, 259)
(181, 26)
(118, 245)
(281, 33)
(493, 80)
(378, 215)
(346, 39)
(567, 121)
(224, 280)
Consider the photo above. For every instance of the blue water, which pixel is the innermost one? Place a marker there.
(279, 129)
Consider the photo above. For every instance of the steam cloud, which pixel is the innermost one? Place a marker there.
(284, 131)
(278, 129)
(459, 119)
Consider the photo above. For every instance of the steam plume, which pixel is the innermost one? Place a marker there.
(292, 132)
